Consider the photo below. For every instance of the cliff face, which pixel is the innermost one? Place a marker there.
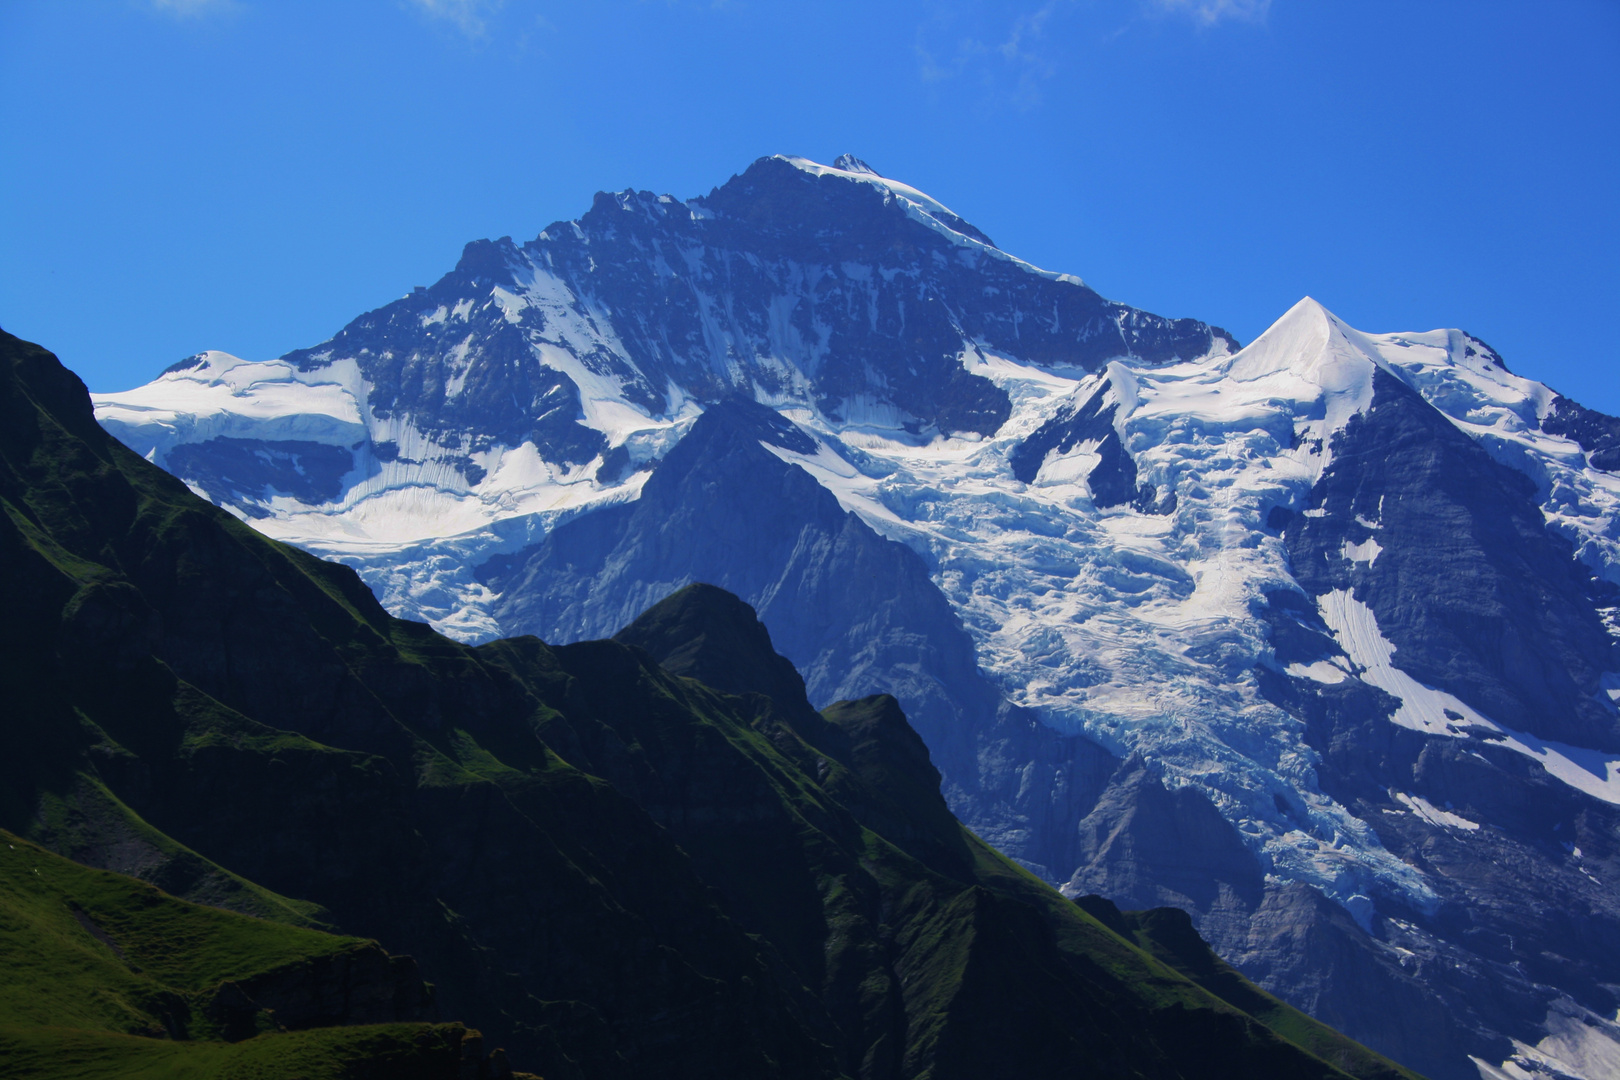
(608, 867)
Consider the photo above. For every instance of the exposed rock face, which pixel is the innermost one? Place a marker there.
(1597, 434)
(1148, 846)
(361, 986)
(244, 472)
(1091, 422)
(1477, 596)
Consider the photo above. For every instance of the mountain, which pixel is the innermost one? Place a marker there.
(609, 866)
(1314, 639)
(534, 380)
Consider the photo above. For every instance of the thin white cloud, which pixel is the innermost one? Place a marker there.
(1025, 29)
(1210, 12)
(1009, 70)
(471, 17)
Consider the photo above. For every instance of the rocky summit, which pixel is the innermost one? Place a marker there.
(1314, 638)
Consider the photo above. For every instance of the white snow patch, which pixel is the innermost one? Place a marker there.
(511, 304)
(233, 398)
(1433, 814)
(1423, 708)
(1365, 552)
(1322, 671)
(1070, 468)
(927, 210)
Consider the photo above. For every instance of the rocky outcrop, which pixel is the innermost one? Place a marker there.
(1091, 422)
(1596, 433)
(1144, 845)
(363, 985)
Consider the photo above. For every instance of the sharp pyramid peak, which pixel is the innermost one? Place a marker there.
(714, 636)
(1308, 315)
(1311, 342)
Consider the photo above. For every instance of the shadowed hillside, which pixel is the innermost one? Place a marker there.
(608, 867)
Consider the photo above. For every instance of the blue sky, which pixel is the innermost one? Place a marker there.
(248, 175)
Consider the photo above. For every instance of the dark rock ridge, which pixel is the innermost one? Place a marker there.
(613, 869)
(1168, 933)
(708, 634)
(1113, 480)
(1597, 434)
(1159, 847)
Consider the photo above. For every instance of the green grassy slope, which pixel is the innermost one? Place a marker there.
(377, 1052)
(1168, 935)
(108, 976)
(611, 869)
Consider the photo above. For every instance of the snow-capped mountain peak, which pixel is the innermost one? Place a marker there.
(1312, 347)
(1314, 589)
(851, 163)
(1311, 342)
(216, 395)
(852, 168)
